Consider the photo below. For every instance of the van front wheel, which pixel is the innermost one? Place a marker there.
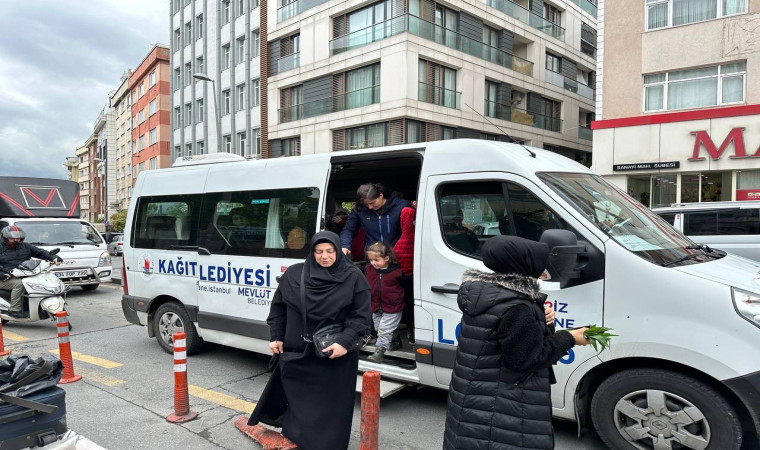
(658, 409)
(172, 318)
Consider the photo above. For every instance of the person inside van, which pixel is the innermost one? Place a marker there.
(378, 213)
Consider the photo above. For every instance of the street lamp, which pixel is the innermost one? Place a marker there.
(204, 77)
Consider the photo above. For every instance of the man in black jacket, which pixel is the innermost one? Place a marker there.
(14, 251)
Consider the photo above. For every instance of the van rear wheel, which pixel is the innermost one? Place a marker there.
(172, 318)
(644, 409)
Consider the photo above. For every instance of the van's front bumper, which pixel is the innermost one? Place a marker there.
(81, 276)
(747, 388)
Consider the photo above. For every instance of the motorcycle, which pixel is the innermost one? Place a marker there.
(45, 292)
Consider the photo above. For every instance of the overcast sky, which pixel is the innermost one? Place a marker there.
(58, 61)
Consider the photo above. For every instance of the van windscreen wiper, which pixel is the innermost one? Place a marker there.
(711, 252)
(681, 259)
(73, 243)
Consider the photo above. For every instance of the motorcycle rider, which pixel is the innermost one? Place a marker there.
(14, 251)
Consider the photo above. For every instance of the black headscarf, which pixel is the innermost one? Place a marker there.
(510, 254)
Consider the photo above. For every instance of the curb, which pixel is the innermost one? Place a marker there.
(269, 439)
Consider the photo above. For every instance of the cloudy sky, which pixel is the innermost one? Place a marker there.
(58, 61)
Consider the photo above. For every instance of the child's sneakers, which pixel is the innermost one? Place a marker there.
(377, 357)
(396, 343)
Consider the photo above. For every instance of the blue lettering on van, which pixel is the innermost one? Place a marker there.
(564, 323)
(442, 339)
(569, 358)
(218, 274)
(254, 292)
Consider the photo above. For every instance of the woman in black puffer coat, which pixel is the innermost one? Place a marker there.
(500, 396)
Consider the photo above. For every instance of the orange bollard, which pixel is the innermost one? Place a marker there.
(64, 348)
(3, 351)
(370, 423)
(182, 411)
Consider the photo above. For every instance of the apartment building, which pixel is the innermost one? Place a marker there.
(678, 99)
(83, 157)
(121, 103)
(72, 167)
(150, 113)
(347, 75)
(104, 158)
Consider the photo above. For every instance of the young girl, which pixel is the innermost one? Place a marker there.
(386, 283)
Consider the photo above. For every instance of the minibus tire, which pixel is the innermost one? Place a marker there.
(720, 423)
(173, 311)
(90, 287)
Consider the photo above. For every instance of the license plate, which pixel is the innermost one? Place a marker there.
(71, 273)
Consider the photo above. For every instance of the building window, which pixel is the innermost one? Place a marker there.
(188, 113)
(154, 163)
(666, 13)
(153, 78)
(553, 63)
(413, 131)
(201, 147)
(257, 141)
(254, 4)
(140, 90)
(188, 149)
(199, 107)
(177, 78)
(367, 136)
(256, 99)
(225, 56)
(240, 89)
(226, 102)
(141, 116)
(240, 50)
(241, 144)
(199, 64)
(491, 98)
(177, 40)
(188, 33)
(240, 7)
(552, 14)
(437, 84)
(199, 26)
(153, 136)
(225, 12)
(255, 43)
(177, 118)
(291, 147)
(228, 144)
(152, 107)
(695, 88)
(142, 142)
(188, 74)
(363, 86)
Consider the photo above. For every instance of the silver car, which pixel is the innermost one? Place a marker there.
(115, 247)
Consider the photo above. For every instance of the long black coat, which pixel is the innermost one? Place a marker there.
(315, 395)
(500, 396)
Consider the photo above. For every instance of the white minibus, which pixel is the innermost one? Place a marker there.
(684, 371)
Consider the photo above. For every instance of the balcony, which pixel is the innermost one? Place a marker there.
(295, 8)
(349, 100)
(438, 95)
(287, 63)
(452, 39)
(366, 36)
(585, 133)
(523, 15)
(587, 6)
(522, 117)
(562, 81)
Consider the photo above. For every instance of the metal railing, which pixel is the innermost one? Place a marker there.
(587, 6)
(288, 62)
(522, 117)
(452, 39)
(348, 100)
(571, 85)
(438, 95)
(368, 35)
(585, 133)
(516, 11)
(296, 7)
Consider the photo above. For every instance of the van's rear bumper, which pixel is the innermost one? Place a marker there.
(131, 305)
(747, 388)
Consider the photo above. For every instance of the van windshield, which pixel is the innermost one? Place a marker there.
(60, 233)
(627, 221)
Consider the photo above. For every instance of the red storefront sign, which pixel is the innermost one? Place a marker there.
(748, 194)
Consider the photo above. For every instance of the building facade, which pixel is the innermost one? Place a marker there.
(678, 100)
(121, 103)
(83, 157)
(104, 201)
(149, 89)
(345, 75)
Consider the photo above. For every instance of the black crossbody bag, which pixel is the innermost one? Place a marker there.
(328, 334)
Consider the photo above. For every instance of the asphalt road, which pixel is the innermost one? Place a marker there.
(127, 388)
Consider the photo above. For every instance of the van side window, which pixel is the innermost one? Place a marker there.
(470, 213)
(668, 217)
(722, 222)
(163, 222)
(530, 215)
(275, 223)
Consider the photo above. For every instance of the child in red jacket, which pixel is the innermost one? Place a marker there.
(386, 283)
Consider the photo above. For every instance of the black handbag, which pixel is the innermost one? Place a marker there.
(328, 334)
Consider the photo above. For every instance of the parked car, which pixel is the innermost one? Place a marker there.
(116, 245)
(730, 226)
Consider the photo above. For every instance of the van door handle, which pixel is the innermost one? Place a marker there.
(445, 290)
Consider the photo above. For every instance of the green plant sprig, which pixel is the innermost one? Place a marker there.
(598, 336)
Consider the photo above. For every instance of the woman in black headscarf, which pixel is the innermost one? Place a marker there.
(312, 397)
(500, 393)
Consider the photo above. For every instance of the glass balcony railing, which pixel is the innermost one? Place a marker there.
(585, 133)
(523, 15)
(438, 95)
(295, 8)
(522, 117)
(366, 36)
(587, 6)
(562, 81)
(288, 62)
(349, 100)
(452, 39)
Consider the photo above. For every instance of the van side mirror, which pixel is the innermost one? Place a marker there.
(563, 255)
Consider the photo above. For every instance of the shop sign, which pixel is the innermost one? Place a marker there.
(703, 140)
(647, 166)
(748, 194)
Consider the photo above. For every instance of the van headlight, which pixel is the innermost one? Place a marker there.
(105, 259)
(747, 304)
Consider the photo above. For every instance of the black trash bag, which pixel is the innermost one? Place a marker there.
(41, 373)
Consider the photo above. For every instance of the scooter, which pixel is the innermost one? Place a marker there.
(45, 292)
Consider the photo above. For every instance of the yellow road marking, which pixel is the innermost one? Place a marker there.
(225, 400)
(14, 337)
(92, 360)
(100, 378)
